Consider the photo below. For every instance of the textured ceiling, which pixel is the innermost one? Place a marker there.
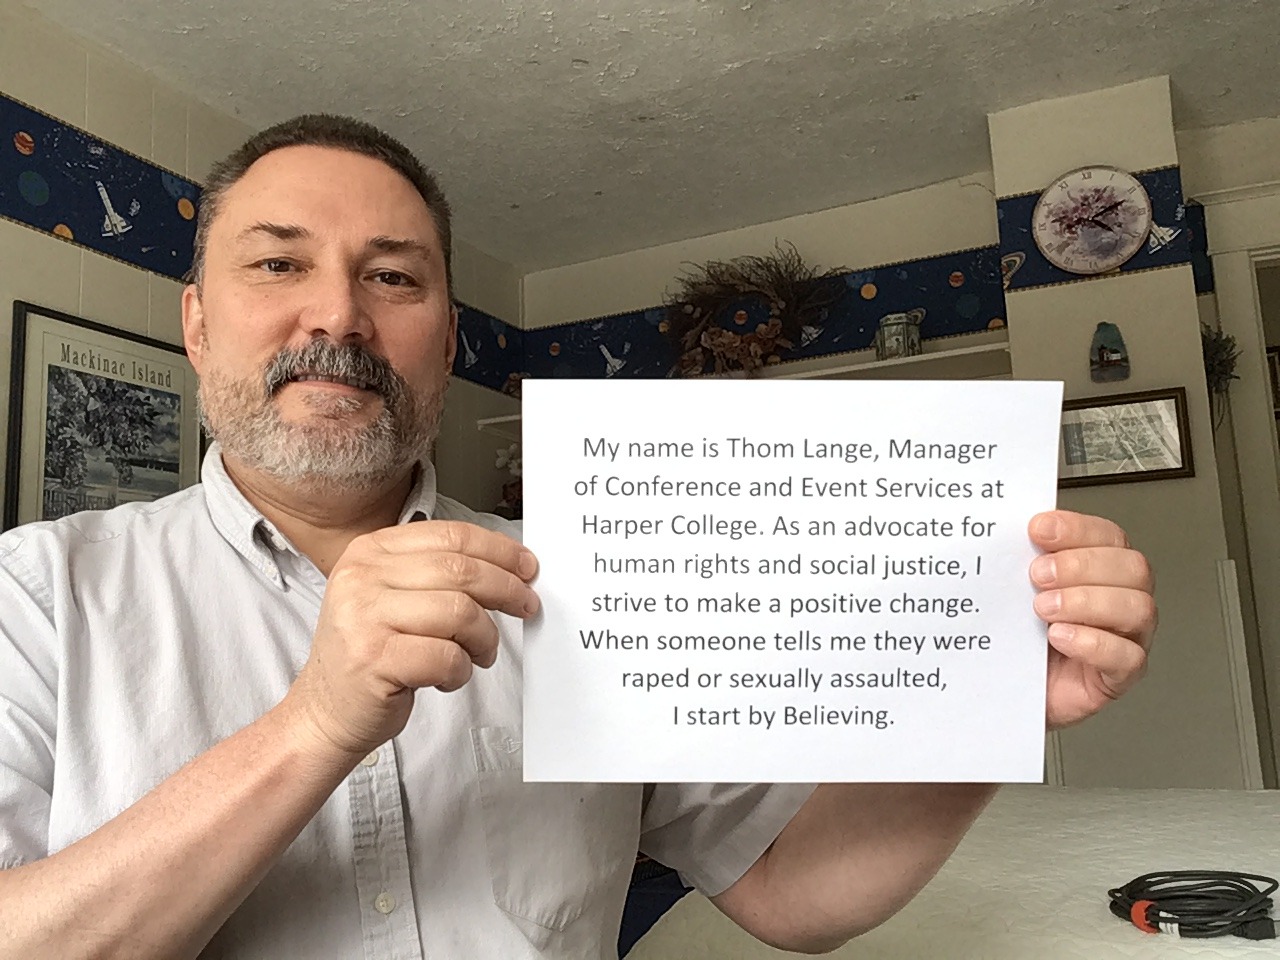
(565, 130)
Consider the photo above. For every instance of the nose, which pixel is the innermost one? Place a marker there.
(334, 308)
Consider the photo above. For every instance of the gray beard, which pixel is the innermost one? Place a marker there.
(326, 451)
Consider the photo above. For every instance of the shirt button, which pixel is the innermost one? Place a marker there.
(384, 902)
(371, 759)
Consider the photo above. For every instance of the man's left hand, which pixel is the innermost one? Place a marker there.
(1095, 592)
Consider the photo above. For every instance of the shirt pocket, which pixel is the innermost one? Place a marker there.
(555, 849)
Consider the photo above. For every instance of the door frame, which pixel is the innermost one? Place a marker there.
(1243, 231)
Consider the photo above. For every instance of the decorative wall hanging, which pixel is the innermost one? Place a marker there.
(1108, 358)
(1125, 438)
(60, 180)
(741, 314)
(1220, 356)
(97, 417)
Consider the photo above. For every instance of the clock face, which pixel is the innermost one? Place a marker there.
(1092, 220)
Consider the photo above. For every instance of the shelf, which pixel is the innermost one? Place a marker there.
(976, 361)
(508, 427)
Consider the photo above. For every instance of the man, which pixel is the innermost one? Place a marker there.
(245, 720)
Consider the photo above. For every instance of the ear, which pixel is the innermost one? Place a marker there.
(451, 344)
(193, 325)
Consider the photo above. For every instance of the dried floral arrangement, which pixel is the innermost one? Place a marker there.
(796, 294)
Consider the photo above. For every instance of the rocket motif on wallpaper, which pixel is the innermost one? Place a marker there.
(113, 225)
(612, 364)
(469, 355)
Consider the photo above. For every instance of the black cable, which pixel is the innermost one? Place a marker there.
(1198, 903)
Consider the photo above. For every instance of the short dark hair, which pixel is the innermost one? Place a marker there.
(323, 130)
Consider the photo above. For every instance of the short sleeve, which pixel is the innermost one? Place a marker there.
(713, 832)
(28, 714)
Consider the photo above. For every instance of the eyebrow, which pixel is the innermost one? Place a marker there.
(290, 231)
(399, 245)
(281, 231)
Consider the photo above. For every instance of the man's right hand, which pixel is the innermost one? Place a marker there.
(406, 607)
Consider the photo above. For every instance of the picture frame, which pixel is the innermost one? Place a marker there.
(1125, 438)
(97, 417)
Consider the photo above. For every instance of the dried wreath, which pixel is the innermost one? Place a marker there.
(797, 296)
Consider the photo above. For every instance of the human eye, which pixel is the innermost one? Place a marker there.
(275, 265)
(393, 278)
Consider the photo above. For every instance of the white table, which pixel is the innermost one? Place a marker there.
(1030, 882)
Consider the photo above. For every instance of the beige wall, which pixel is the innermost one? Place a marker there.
(54, 72)
(943, 218)
(1139, 742)
(1269, 299)
(464, 455)
(1220, 158)
(1235, 525)
(486, 283)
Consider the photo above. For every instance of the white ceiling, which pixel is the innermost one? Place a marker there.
(565, 130)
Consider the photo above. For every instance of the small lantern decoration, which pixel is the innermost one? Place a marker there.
(899, 335)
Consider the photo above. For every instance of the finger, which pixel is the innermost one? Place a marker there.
(416, 662)
(489, 585)
(1065, 530)
(1130, 613)
(455, 536)
(1120, 661)
(1101, 566)
(450, 616)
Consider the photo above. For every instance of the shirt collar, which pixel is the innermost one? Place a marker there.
(421, 502)
(234, 516)
(244, 527)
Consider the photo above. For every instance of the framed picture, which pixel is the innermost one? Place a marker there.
(1125, 438)
(97, 417)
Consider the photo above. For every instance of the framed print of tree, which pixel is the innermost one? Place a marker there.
(97, 417)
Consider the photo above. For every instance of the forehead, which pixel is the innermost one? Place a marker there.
(331, 193)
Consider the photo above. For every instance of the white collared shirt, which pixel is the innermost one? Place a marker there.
(134, 640)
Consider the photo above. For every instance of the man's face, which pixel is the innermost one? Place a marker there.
(322, 330)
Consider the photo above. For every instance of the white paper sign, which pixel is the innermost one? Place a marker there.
(773, 581)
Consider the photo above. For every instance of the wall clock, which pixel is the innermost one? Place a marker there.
(1092, 220)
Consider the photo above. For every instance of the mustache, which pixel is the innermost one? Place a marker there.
(344, 362)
